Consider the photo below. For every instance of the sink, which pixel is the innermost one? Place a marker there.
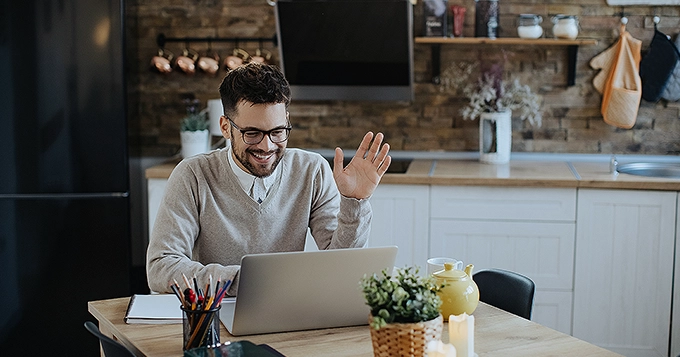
(651, 169)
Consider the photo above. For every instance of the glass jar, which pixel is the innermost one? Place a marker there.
(529, 26)
(565, 26)
(486, 18)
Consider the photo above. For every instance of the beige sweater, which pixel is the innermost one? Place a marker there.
(207, 222)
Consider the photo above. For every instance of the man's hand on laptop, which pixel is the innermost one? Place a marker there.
(361, 176)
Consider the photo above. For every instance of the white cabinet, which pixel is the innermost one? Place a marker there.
(401, 217)
(675, 331)
(527, 230)
(623, 281)
(155, 190)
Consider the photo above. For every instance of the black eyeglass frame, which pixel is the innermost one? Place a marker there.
(268, 133)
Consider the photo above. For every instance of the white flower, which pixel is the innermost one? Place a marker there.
(490, 95)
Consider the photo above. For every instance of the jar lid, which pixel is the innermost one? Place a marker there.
(449, 273)
(562, 17)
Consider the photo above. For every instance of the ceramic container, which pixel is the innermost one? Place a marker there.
(529, 26)
(460, 295)
(565, 26)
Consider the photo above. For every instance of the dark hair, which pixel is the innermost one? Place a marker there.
(256, 83)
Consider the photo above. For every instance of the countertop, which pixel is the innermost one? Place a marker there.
(523, 170)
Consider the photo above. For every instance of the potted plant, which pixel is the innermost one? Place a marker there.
(405, 312)
(194, 132)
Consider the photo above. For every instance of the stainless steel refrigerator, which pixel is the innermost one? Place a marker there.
(64, 187)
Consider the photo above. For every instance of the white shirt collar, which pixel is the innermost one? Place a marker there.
(246, 179)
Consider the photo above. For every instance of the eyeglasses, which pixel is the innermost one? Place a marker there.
(254, 136)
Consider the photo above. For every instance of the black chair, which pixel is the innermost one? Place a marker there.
(112, 348)
(506, 290)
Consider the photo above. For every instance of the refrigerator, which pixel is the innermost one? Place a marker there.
(64, 186)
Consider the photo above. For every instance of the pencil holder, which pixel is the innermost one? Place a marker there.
(200, 328)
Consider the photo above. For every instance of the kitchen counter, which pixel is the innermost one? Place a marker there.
(525, 170)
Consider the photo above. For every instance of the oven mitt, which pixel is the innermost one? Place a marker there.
(603, 62)
(672, 91)
(623, 88)
(657, 66)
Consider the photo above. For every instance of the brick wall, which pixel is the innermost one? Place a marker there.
(571, 119)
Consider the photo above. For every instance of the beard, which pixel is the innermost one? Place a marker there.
(258, 170)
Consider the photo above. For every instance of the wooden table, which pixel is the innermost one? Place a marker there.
(497, 333)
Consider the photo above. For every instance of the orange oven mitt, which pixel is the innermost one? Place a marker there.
(622, 89)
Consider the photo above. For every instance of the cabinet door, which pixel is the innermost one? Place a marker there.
(155, 191)
(543, 251)
(675, 331)
(624, 270)
(553, 309)
(504, 203)
(400, 217)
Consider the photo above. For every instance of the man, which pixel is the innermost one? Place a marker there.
(256, 196)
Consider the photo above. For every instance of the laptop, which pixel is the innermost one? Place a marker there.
(294, 291)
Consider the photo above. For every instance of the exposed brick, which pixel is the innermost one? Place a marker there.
(571, 123)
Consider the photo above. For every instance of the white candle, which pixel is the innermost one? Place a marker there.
(440, 349)
(462, 334)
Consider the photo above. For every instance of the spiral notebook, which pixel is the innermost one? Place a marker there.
(153, 309)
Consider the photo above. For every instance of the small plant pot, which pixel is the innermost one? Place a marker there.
(405, 339)
(195, 142)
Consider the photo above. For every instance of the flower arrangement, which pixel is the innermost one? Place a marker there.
(495, 95)
(406, 298)
(194, 120)
(490, 93)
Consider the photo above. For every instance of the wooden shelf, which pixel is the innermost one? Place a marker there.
(504, 41)
(572, 49)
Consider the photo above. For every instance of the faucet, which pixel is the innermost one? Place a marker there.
(613, 166)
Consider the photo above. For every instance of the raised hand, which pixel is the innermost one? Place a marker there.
(361, 176)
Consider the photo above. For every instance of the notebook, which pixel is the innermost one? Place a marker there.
(294, 291)
(153, 309)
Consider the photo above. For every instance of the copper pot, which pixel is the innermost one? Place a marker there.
(161, 62)
(238, 57)
(187, 61)
(210, 62)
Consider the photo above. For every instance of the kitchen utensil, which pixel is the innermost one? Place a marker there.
(436, 264)
(238, 57)
(460, 295)
(161, 61)
(187, 61)
(261, 56)
(210, 62)
(565, 26)
(529, 26)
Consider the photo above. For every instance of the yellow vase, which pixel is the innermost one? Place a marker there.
(460, 295)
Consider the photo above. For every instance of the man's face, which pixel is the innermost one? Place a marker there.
(262, 158)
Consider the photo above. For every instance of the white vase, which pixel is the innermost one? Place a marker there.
(195, 142)
(495, 137)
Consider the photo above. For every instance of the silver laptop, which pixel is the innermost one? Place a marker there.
(294, 291)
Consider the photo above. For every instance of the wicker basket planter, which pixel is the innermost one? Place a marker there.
(405, 339)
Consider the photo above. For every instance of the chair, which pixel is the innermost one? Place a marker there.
(506, 290)
(112, 348)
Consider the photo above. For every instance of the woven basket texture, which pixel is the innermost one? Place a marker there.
(405, 339)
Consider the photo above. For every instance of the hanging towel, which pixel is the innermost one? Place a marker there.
(672, 91)
(622, 89)
(657, 66)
